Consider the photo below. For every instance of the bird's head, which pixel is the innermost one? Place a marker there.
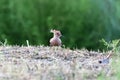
(56, 33)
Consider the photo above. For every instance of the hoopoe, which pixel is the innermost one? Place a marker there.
(55, 40)
(106, 60)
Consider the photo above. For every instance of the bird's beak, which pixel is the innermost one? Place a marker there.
(62, 36)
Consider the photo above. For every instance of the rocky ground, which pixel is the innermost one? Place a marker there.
(51, 63)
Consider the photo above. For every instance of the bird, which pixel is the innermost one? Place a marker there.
(55, 40)
(106, 60)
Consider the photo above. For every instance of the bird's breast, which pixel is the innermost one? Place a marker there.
(55, 42)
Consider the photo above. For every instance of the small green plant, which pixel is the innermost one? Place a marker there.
(112, 45)
(3, 43)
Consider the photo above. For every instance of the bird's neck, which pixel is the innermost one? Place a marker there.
(55, 36)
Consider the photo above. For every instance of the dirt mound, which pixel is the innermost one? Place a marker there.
(50, 63)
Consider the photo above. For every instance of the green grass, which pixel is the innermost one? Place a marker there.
(115, 70)
(114, 46)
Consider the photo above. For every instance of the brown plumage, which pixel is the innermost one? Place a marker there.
(55, 40)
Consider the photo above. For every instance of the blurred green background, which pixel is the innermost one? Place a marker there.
(82, 22)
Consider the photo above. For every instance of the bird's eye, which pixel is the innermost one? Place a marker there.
(58, 34)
